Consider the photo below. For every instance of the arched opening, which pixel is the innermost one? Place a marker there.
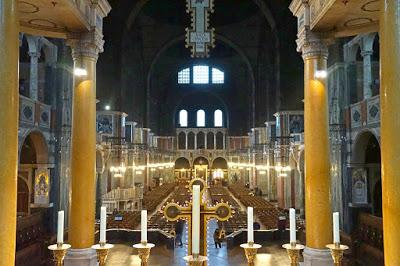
(190, 141)
(366, 174)
(23, 197)
(210, 141)
(220, 141)
(182, 141)
(201, 168)
(34, 149)
(201, 118)
(219, 170)
(200, 140)
(182, 168)
(218, 119)
(183, 118)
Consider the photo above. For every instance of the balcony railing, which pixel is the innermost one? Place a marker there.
(34, 113)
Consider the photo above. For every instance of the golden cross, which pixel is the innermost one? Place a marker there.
(221, 211)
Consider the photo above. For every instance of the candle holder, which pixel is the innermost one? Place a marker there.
(250, 250)
(337, 251)
(59, 251)
(102, 250)
(293, 250)
(195, 260)
(144, 252)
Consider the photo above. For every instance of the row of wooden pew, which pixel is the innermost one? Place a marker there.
(266, 212)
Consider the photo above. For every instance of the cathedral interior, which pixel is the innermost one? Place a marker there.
(199, 132)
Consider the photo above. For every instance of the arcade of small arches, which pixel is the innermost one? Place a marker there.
(212, 170)
(201, 139)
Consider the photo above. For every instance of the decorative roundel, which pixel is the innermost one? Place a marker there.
(223, 211)
(172, 211)
(197, 181)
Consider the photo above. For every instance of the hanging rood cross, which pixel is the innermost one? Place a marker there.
(222, 212)
(199, 37)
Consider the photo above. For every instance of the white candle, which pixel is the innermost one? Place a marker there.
(60, 228)
(196, 220)
(250, 222)
(292, 216)
(103, 224)
(144, 226)
(336, 234)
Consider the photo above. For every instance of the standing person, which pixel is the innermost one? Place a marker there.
(179, 231)
(217, 239)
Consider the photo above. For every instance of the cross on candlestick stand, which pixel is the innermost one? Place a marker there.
(222, 212)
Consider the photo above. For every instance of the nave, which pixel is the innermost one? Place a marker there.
(271, 253)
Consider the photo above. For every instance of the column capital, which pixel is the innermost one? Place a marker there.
(312, 44)
(366, 53)
(88, 44)
(34, 54)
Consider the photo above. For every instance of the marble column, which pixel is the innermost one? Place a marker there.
(317, 165)
(9, 100)
(215, 141)
(195, 141)
(205, 140)
(83, 151)
(367, 78)
(390, 127)
(34, 77)
(186, 141)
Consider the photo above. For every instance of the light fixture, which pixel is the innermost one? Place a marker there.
(262, 172)
(321, 74)
(80, 72)
(107, 107)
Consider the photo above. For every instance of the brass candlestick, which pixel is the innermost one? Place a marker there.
(59, 251)
(293, 251)
(144, 252)
(102, 250)
(250, 250)
(195, 260)
(337, 251)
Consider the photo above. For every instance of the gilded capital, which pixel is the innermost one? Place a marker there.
(87, 45)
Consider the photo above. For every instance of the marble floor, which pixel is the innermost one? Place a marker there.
(269, 254)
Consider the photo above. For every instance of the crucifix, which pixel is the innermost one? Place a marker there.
(200, 38)
(222, 212)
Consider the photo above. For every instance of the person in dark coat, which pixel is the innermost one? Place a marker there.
(179, 231)
(217, 238)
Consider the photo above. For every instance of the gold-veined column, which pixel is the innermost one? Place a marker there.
(317, 168)
(83, 149)
(9, 100)
(390, 127)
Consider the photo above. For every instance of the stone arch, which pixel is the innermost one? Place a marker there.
(182, 163)
(360, 144)
(35, 145)
(182, 141)
(210, 141)
(366, 155)
(219, 145)
(201, 160)
(23, 196)
(219, 37)
(200, 140)
(219, 163)
(191, 140)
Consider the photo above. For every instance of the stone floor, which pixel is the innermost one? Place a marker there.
(269, 254)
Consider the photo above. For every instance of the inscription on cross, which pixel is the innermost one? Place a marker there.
(222, 212)
(200, 38)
